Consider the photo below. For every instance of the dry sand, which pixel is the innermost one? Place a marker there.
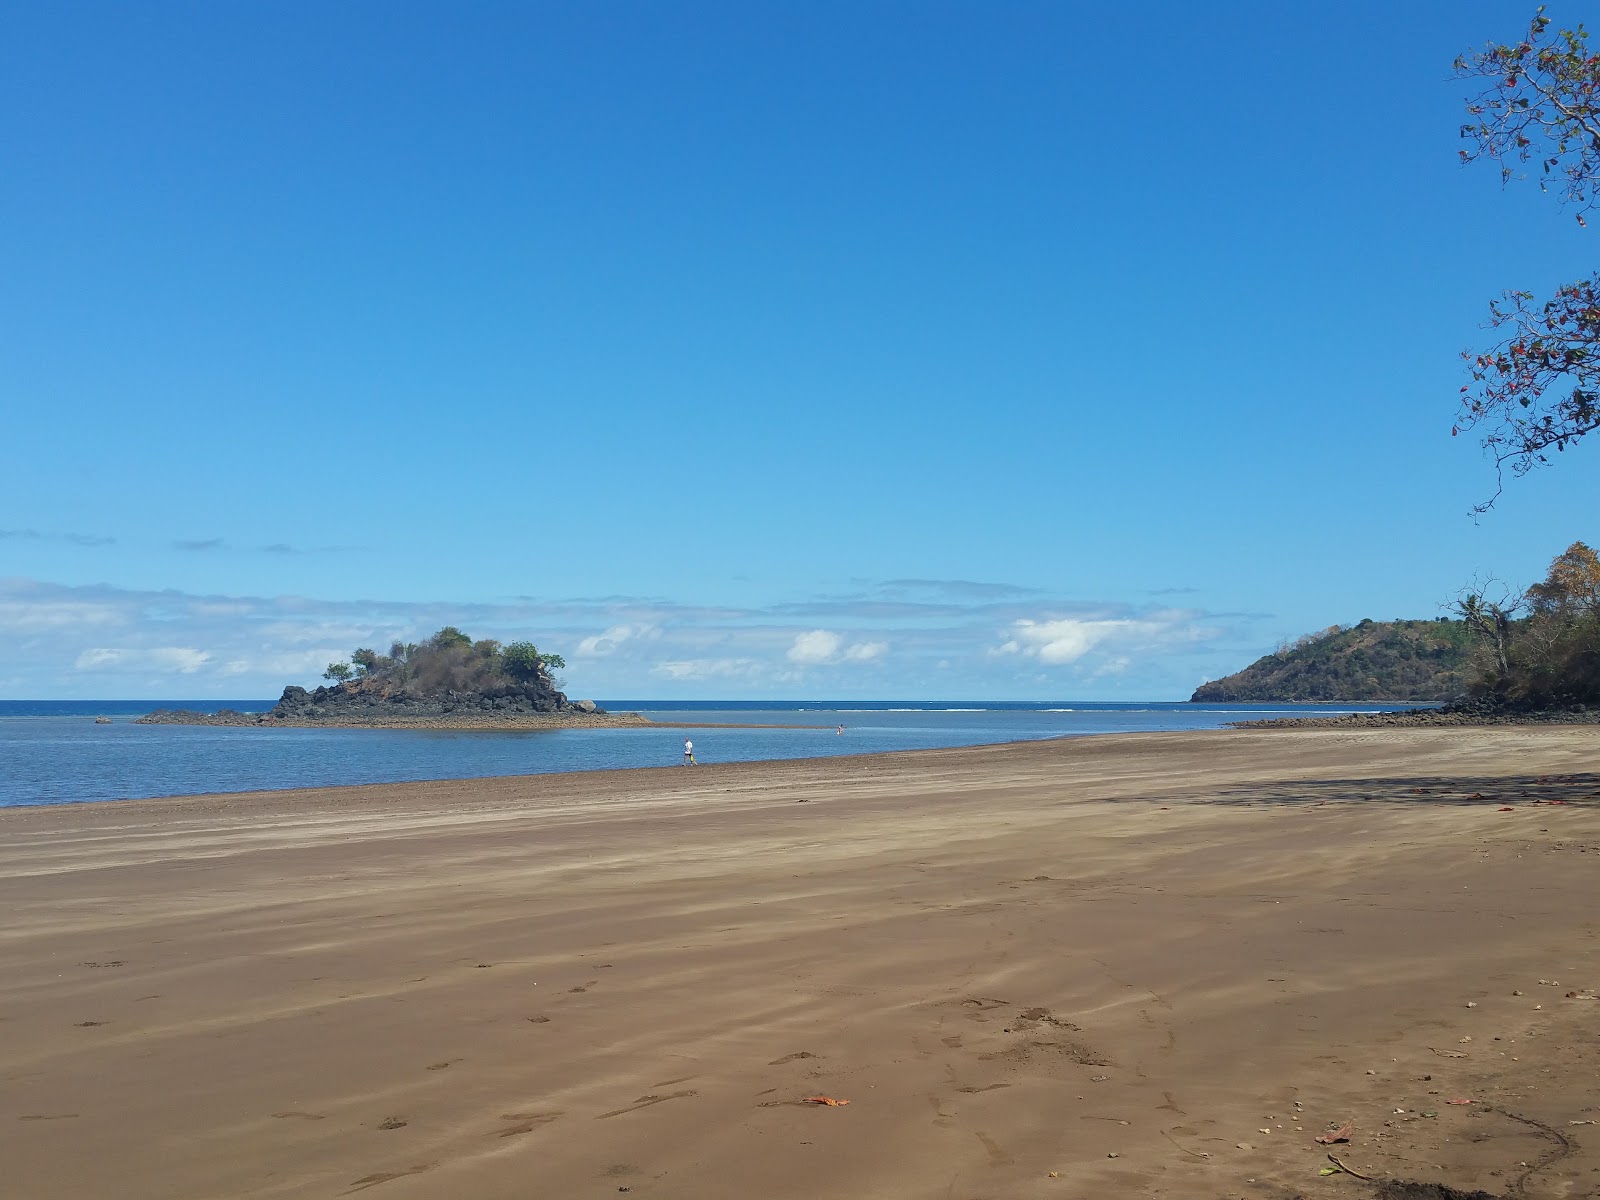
(1143, 965)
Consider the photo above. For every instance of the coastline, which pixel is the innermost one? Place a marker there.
(1427, 718)
(232, 718)
(1117, 958)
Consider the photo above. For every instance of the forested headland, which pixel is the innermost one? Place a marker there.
(1370, 661)
(1504, 650)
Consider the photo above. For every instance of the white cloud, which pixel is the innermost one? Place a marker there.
(866, 651)
(818, 646)
(220, 608)
(25, 617)
(1059, 641)
(709, 668)
(121, 641)
(821, 646)
(179, 660)
(601, 644)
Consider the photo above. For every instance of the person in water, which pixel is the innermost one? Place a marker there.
(688, 754)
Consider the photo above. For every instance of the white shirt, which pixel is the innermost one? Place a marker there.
(688, 746)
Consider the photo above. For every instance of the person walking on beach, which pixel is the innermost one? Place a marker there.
(688, 754)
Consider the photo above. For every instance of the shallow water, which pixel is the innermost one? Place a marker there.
(52, 752)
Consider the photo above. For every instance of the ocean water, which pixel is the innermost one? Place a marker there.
(53, 752)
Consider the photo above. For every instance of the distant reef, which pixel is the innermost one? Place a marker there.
(1372, 662)
(446, 682)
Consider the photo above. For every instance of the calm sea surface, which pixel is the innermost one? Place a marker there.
(52, 752)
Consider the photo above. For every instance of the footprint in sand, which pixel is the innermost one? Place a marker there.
(646, 1102)
(303, 1116)
(981, 1006)
(525, 1122)
(997, 1156)
(988, 1087)
(789, 1058)
(370, 1181)
(439, 1066)
(47, 1117)
(538, 1020)
(392, 1123)
(90, 1024)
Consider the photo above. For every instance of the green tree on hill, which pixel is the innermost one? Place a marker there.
(522, 660)
(1371, 660)
(1540, 648)
(449, 661)
(449, 638)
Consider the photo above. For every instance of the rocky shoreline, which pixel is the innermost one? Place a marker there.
(469, 719)
(1419, 718)
(376, 704)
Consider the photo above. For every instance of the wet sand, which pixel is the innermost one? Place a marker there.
(1140, 965)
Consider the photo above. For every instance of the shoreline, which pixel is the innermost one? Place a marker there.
(1428, 718)
(1118, 959)
(531, 722)
(783, 766)
(1348, 723)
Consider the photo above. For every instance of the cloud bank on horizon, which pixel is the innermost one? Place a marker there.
(899, 638)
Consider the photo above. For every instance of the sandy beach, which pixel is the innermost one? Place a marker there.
(1139, 965)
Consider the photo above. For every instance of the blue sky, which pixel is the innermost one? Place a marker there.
(849, 350)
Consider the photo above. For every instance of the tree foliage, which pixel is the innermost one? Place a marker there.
(1541, 647)
(1538, 386)
(522, 660)
(1371, 660)
(449, 638)
(448, 661)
